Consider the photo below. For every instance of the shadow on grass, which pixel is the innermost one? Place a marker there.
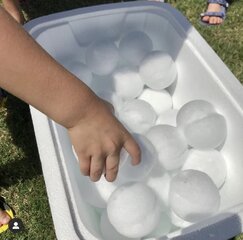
(26, 166)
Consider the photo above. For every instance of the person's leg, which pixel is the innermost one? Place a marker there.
(215, 13)
(4, 217)
(13, 8)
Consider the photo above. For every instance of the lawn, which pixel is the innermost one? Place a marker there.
(21, 179)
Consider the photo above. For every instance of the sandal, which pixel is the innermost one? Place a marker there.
(5, 207)
(222, 14)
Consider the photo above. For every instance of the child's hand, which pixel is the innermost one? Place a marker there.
(98, 139)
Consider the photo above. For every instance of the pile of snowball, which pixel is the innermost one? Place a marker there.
(181, 171)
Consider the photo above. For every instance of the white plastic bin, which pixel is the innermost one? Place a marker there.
(201, 75)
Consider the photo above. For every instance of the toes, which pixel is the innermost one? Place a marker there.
(205, 19)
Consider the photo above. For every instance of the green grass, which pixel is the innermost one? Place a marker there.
(21, 180)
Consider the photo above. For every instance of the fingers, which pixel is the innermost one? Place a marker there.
(96, 167)
(112, 164)
(84, 164)
(133, 149)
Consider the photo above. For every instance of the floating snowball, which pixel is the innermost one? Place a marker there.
(210, 162)
(170, 145)
(159, 100)
(112, 98)
(80, 70)
(97, 193)
(178, 222)
(193, 195)
(158, 70)
(127, 83)
(135, 46)
(108, 231)
(202, 126)
(134, 210)
(137, 115)
(102, 57)
(148, 159)
(160, 183)
(209, 132)
(163, 228)
(167, 118)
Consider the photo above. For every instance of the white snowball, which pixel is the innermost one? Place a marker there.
(163, 228)
(193, 195)
(101, 83)
(102, 57)
(149, 158)
(177, 221)
(134, 210)
(202, 126)
(137, 115)
(108, 231)
(159, 100)
(134, 46)
(127, 83)
(80, 70)
(167, 118)
(170, 145)
(158, 70)
(210, 162)
(209, 132)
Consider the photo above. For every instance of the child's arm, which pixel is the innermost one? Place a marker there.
(28, 72)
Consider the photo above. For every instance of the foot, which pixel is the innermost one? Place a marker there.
(13, 8)
(4, 218)
(213, 7)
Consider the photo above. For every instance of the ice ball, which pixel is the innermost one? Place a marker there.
(134, 210)
(210, 162)
(177, 221)
(203, 127)
(127, 83)
(102, 57)
(163, 228)
(158, 70)
(80, 70)
(108, 231)
(159, 100)
(137, 115)
(148, 159)
(170, 145)
(134, 46)
(167, 117)
(193, 195)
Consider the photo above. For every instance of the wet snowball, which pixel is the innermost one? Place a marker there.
(202, 126)
(137, 115)
(210, 162)
(108, 231)
(148, 159)
(127, 83)
(159, 100)
(158, 70)
(134, 210)
(170, 145)
(134, 46)
(167, 118)
(193, 195)
(102, 57)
